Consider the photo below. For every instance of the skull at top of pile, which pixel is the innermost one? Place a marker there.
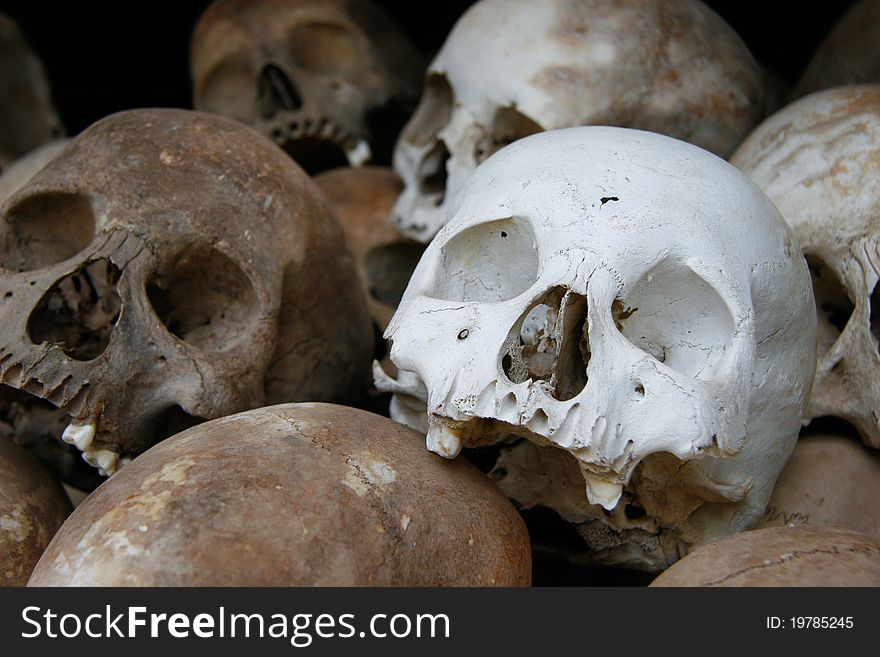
(165, 267)
(330, 81)
(631, 301)
(511, 68)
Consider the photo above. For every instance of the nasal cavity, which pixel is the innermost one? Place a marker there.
(79, 312)
(277, 92)
(432, 173)
(550, 343)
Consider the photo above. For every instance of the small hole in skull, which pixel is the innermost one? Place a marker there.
(640, 389)
(45, 229)
(79, 312)
(833, 305)
(389, 269)
(205, 299)
(550, 343)
(316, 154)
(8, 295)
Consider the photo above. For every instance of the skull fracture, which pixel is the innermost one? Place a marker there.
(511, 68)
(167, 267)
(629, 303)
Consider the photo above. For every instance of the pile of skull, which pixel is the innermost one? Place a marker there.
(625, 353)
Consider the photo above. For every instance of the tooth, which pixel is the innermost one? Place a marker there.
(80, 435)
(105, 460)
(359, 153)
(443, 440)
(603, 492)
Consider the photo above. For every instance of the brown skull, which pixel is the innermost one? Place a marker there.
(27, 118)
(325, 79)
(168, 266)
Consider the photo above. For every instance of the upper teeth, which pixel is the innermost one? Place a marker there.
(359, 153)
(80, 435)
(603, 492)
(107, 461)
(443, 440)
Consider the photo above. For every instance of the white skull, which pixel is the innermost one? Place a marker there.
(817, 160)
(511, 68)
(630, 299)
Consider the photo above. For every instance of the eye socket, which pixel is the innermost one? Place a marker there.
(494, 261)
(833, 305)
(45, 229)
(205, 299)
(508, 126)
(325, 48)
(680, 319)
(79, 312)
(231, 90)
(432, 114)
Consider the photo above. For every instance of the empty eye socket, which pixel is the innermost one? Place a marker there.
(677, 317)
(494, 261)
(79, 312)
(231, 89)
(433, 113)
(508, 126)
(325, 48)
(833, 305)
(45, 229)
(205, 299)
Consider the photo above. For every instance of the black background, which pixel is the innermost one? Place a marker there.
(103, 57)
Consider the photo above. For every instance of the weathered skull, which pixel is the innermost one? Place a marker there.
(325, 79)
(168, 266)
(27, 118)
(511, 68)
(631, 301)
(817, 160)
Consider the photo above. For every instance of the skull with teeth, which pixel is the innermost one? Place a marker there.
(166, 267)
(511, 68)
(322, 78)
(817, 160)
(631, 302)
